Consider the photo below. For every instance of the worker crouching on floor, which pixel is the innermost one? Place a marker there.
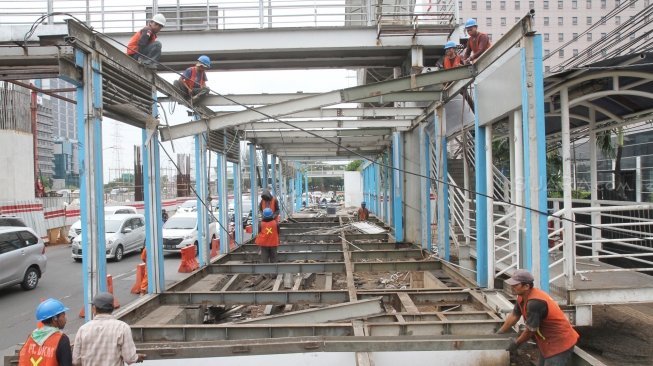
(268, 237)
(193, 81)
(545, 322)
(48, 345)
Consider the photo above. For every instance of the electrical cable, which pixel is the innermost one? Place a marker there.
(355, 153)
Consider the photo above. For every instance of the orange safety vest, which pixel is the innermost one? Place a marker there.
(190, 82)
(363, 214)
(473, 43)
(450, 64)
(555, 334)
(132, 46)
(269, 235)
(46, 355)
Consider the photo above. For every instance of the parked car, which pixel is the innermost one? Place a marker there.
(181, 230)
(123, 234)
(76, 228)
(11, 220)
(187, 206)
(22, 257)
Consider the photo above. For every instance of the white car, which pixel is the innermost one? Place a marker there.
(22, 257)
(76, 228)
(123, 234)
(181, 230)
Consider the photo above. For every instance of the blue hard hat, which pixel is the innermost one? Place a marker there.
(363, 203)
(471, 22)
(50, 308)
(450, 44)
(205, 60)
(267, 213)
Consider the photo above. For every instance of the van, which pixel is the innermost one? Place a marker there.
(76, 228)
(22, 257)
(123, 234)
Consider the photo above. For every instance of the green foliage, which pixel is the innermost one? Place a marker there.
(354, 166)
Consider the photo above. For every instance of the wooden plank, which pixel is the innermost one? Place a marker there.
(296, 286)
(328, 283)
(229, 286)
(277, 285)
(407, 303)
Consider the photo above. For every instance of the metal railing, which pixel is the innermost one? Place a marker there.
(107, 16)
(506, 244)
(618, 233)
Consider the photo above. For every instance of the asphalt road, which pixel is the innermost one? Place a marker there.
(63, 280)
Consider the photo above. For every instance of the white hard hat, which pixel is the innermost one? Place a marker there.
(160, 19)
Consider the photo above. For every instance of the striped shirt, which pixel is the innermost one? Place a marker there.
(104, 341)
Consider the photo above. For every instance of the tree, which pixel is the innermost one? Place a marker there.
(353, 165)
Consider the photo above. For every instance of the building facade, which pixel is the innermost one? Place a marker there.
(44, 138)
(560, 22)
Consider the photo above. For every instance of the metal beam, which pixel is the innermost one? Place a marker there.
(313, 124)
(265, 99)
(321, 100)
(254, 297)
(333, 313)
(335, 267)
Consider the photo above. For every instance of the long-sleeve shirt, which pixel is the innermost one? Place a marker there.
(104, 341)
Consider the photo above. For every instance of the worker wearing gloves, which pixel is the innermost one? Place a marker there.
(363, 213)
(545, 322)
(477, 43)
(193, 81)
(268, 237)
(451, 57)
(143, 45)
(48, 345)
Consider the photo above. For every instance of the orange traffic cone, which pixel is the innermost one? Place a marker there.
(141, 270)
(188, 260)
(116, 305)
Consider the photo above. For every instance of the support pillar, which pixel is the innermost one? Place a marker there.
(202, 190)
(282, 191)
(568, 229)
(305, 189)
(425, 185)
(443, 189)
(517, 180)
(273, 175)
(481, 202)
(223, 203)
(89, 125)
(377, 189)
(398, 191)
(153, 207)
(489, 180)
(535, 160)
(386, 188)
(252, 186)
(238, 203)
(594, 194)
(264, 170)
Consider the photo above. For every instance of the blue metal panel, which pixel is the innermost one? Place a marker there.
(201, 191)
(223, 199)
(273, 175)
(527, 255)
(238, 204)
(98, 178)
(391, 188)
(481, 202)
(425, 162)
(386, 187)
(305, 188)
(397, 210)
(264, 169)
(252, 187)
(445, 199)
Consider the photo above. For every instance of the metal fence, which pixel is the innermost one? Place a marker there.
(14, 108)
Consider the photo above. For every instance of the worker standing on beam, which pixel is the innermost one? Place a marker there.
(451, 57)
(143, 45)
(193, 81)
(545, 322)
(48, 345)
(268, 237)
(268, 201)
(477, 43)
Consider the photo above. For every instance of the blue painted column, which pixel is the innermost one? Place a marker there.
(264, 169)
(536, 241)
(282, 191)
(305, 188)
(89, 105)
(481, 202)
(252, 188)
(238, 203)
(201, 188)
(425, 184)
(391, 189)
(153, 206)
(398, 179)
(298, 188)
(273, 176)
(444, 242)
(223, 203)
(378, 189)
(386, 188)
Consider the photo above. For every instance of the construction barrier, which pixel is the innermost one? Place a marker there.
(189, 261)
(116, 305)
(141, 279)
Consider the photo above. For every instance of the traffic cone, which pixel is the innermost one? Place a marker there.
(188, 260)
(141, 270)
(116, 305)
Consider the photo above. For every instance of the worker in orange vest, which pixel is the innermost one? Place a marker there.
(143, 45)
(48, 346)
(193, 81)
(268, 237)
(451, 57)
(363, 213)
(269, 201)
(477, 43)
(545, 321)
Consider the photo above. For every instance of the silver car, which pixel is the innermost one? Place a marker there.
(22, 257)
(124, 233)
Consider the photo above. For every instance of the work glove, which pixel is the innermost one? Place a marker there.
(513, 345)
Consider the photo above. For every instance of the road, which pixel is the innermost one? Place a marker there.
(63, 280)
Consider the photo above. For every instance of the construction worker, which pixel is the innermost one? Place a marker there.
(545, 322)
(193, 80)
(48, 345)
(105, 340)
(363, 213)
(268, 201)
(477, 43)
(143, 45)
(268, 237)
(451, 57)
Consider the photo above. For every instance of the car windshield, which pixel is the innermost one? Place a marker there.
(112, 226)
(189, 204)
(10, 221)
(180, 223)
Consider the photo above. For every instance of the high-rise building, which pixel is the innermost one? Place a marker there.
(44, 138)
(622, 22)
(63, 113)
